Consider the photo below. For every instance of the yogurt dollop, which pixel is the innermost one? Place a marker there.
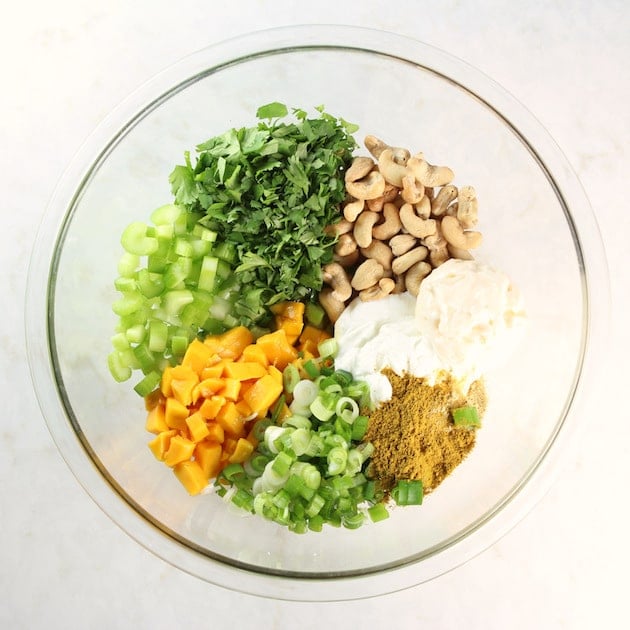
(460, 323)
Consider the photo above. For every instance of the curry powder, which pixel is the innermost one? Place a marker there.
(413, 433)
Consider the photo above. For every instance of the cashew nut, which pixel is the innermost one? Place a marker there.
(363, 227)
(428, 174)
(332, 306)
(462, 254)
(400, 264)
(414, 224)
(353, 209)
(370, 187)
(412, 190)
(467, 207)
(442, 199)
(454, 234)
(389, 194)
(415, 275)
(349, 260)
(380, 252)
(402, 243)
(345, 245)
(359, 168)
(389, 169)
(367, 274)
(384, 287)
(391, 225)
(337, 229)
(376, 146)
(423, 208)
(438, 252)
(336, 276)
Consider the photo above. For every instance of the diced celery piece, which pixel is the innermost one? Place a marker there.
(208, 273)
(177, 272)
(179, 343)
(225, 251)
(150, 284)
(136, 333)
(164, 232)
(120, 342)
(200, 247)
(158, 335)
(204, 233)
(156, 262)
(118, 369)
(129, 303)
(127, 265)
(183, 247)
(168, 214)
(146, 359)
(148, 383)
(134, 240)
(124, 285)
(174, 301)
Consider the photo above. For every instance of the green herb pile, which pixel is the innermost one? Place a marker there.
(270, 191)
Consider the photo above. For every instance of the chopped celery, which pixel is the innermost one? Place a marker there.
(134, 240)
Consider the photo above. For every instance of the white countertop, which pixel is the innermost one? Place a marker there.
(65, 564)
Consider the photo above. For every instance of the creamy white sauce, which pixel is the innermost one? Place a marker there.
(462, 319)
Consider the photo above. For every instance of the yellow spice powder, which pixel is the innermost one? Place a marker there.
(413, 433)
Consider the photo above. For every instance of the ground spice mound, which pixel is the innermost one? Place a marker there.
(413, 433)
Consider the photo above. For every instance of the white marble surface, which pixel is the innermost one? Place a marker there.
(63, 563)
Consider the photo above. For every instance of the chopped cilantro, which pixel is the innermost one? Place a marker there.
(270, 190)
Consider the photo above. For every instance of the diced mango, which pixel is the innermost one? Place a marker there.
(312, 334)
(179, 449)
(254, 354)
(230, 390)
(191, 475)
(153, 399)
(231, 343)
(213, 371)
(198, 356)
(210, 407)
(289, 316)
(229, 418)
(156, 422)
(197, 427)
(276, 373)
(244, 371)
(183, 386)
(175, 414)
(242, 451)
(159, 445)
(216, 433)
(262, 394)
(277, 348)
(208, 456)
(208, 387)
(244, 410)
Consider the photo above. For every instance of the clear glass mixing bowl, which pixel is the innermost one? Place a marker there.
(538, 228)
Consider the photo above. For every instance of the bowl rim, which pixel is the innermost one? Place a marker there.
(475, 538)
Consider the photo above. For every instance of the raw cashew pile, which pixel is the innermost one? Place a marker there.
(402, 218)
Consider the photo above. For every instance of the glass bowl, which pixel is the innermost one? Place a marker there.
(537, 226)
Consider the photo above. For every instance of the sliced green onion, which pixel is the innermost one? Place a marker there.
(290, 378)
(378, 512)
(347, 408)
(328, 348)
(359, 427)
(408, 492)
(466, 417)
